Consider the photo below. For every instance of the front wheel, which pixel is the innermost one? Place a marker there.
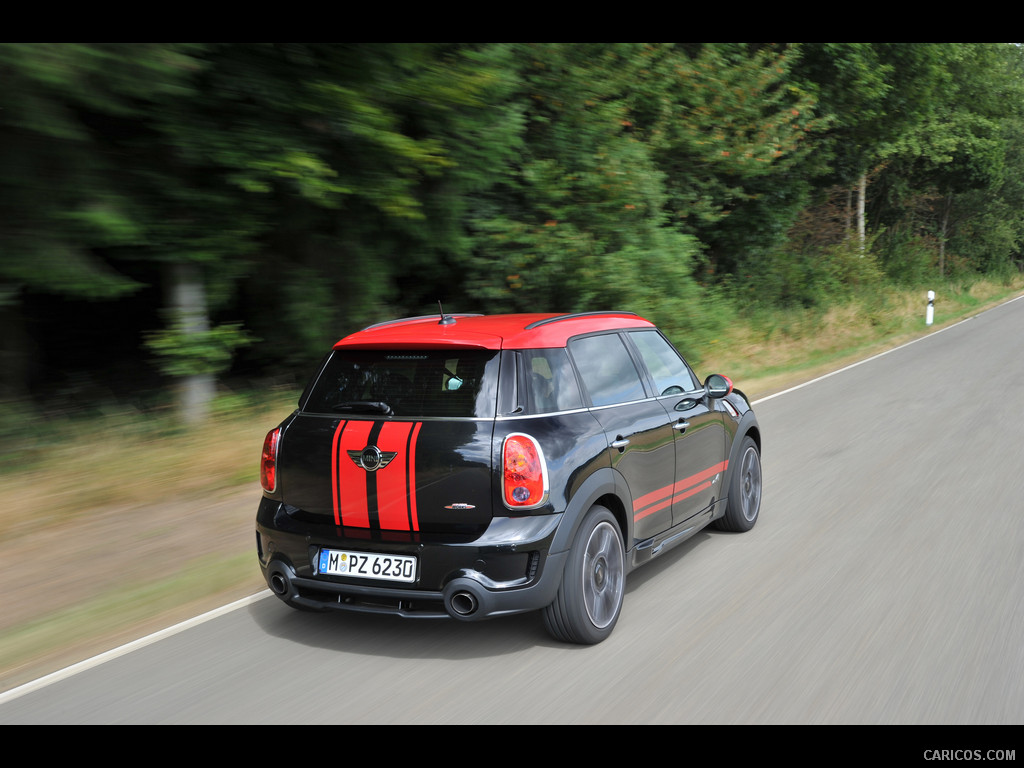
(589, 598)
(744, 502)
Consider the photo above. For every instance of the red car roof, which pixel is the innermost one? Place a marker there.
(521, 331)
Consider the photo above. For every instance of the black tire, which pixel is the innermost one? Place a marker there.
(744, 502)
(589, 599)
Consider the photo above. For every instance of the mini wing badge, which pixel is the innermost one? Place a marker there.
(372, 458)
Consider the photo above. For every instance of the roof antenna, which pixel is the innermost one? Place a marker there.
(445, 319)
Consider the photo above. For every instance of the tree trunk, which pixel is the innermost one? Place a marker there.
(187, 299)
(862, 192)
(947, 205)
(848, 224)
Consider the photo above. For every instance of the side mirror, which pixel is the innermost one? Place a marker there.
(716, 385)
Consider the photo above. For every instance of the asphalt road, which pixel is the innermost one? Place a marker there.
(883, 584)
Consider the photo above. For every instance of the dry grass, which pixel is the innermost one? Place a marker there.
(131, 460)
(126, 524)
(763, 354)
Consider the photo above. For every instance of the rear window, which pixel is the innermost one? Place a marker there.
(407, 383)
(550, 381)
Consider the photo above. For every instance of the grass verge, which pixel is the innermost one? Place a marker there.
(121, 614)
(771, 350)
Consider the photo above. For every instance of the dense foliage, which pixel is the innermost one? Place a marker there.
(195, 210)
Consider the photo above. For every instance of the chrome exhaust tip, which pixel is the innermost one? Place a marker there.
(463, 604)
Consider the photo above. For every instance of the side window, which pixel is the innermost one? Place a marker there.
(551, 383)
(671, 376)
(606, 369)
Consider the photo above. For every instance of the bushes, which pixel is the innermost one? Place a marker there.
(791, 277)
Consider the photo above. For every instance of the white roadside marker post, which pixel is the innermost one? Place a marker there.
(930, 313)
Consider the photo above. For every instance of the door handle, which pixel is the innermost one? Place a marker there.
(680, 425)
(620, 443)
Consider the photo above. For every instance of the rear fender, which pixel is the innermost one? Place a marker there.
(605, 486)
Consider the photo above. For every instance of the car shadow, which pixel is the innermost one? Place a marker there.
(383, 635)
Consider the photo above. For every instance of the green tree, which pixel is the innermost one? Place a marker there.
(960, 158)
(577, 221)
(733, 133)
(878, 95)
(297, 171)
(66, 221)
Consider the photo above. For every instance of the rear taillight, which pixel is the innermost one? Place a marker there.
(525, 475)
(268, 462)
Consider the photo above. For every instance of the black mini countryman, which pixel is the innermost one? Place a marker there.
(473, 466)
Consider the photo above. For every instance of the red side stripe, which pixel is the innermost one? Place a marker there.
(651, 502)
(689, 482)
(640, 515)
(663, 495)
(696, 489)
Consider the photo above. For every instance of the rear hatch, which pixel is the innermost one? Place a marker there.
(395, 440)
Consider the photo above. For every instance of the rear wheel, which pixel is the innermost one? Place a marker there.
(744, 501)
(589, 599)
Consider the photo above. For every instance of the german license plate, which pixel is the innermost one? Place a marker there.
(367, 565)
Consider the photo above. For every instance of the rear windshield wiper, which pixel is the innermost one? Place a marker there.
(364, 406)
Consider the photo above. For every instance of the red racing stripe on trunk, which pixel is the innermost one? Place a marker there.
(414, 521)
(392, 486)
(350, 505)
(335, 482)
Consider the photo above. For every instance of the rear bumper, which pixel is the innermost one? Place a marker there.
(507, 569)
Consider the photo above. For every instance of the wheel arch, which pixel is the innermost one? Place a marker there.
(606, 488)
(747, 427)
